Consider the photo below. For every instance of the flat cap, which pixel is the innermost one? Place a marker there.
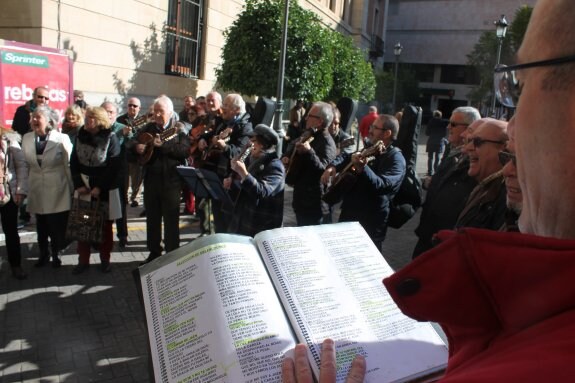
(265, 133)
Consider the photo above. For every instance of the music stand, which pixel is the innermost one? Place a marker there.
(205, 184)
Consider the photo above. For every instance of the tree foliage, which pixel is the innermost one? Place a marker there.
(484, 54)
(320, 63)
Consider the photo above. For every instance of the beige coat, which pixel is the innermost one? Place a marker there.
(50, 185)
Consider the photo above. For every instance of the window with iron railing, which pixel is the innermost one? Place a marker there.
(184, 37)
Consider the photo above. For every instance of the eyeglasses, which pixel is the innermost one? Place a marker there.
(478, 141)
(507, 87)
(505, 157)
(372, 126)
(454, 124)
(42, 97)
(313, 115)
(133, 106)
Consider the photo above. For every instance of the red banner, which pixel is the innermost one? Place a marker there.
(22, 69)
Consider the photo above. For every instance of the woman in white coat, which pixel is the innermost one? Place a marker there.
(47, 152)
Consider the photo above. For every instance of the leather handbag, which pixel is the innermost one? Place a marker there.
(86, 220)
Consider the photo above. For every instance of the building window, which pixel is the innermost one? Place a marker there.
(184, 37)
(459, 74)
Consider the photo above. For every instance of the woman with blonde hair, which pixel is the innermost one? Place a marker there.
(73, 120)
(47, 153)
(95, 165)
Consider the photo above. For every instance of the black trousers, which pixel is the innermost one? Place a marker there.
(9, 219)
(162, 203)
(51, 232)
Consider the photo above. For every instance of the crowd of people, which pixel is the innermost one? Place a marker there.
(496, 220)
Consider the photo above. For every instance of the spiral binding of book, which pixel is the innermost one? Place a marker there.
(294, 310)
(157, 332)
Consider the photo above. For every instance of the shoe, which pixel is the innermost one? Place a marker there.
(134, 204)
(80, 268)
(42, 261)
(150, 258)
(123, 243)
(21, 225)
(105, 267)
(18, 273)
(56, 263)
(143, 213)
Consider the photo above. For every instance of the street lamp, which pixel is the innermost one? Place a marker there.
(397, 52)
(501, 28)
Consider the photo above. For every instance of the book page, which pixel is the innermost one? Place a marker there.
(330, 276)
(213, 315)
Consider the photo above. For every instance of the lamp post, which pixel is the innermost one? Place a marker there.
(280, 84)
(397, 52)
(501, 29)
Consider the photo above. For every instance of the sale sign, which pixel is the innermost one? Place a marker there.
(24, 67)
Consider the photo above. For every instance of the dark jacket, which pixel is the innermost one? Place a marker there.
(447, 195)
(486, 206)
(307, 189)
(259, 205)
(162, 165)
(103, 171)
(436, 131)
(368, 200)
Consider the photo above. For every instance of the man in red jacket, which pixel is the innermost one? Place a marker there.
(366, 121)
(506, 300)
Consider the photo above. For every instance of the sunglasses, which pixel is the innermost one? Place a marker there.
(505, 157)
(372, 126)
(133, 106)
(478, 141)
(42, 97)
(454, 124)
(507, 87)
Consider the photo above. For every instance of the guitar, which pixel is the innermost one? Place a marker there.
(211, 150)
(138, 122)
(343, 144)
(148, 140)
(293, 165)
(345, 179)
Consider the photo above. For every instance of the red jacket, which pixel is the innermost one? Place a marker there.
(506, 302)
(365, 123)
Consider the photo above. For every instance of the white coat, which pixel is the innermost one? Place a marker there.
(50, 185)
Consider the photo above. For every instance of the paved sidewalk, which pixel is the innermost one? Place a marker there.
(59, 327)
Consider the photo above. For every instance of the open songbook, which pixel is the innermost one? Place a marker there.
(227, 308)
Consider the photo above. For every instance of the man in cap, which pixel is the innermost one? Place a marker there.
(259, 205)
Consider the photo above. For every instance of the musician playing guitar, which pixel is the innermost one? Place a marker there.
(377, 179)
(223, 144)
(259, 204)
(312, 157)
(162, 182)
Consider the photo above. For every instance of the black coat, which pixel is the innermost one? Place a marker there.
(368, 201)
(436, 131)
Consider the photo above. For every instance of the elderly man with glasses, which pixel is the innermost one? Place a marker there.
(450, 186)
(21, 120)
(485, 207)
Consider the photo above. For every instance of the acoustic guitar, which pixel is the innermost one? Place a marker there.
(345, 179)
(148, 140)
(138, 122)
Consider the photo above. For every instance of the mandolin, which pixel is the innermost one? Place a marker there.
(294, 165)
(345, 179)
(211, 150)
(148, 140)
(138, 122)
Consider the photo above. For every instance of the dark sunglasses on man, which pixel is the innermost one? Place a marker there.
(505, 157)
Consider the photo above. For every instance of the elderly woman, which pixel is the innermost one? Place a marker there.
(47, 153)
(13, 170)
(73, 120)
(259, 204)
(95, 165)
